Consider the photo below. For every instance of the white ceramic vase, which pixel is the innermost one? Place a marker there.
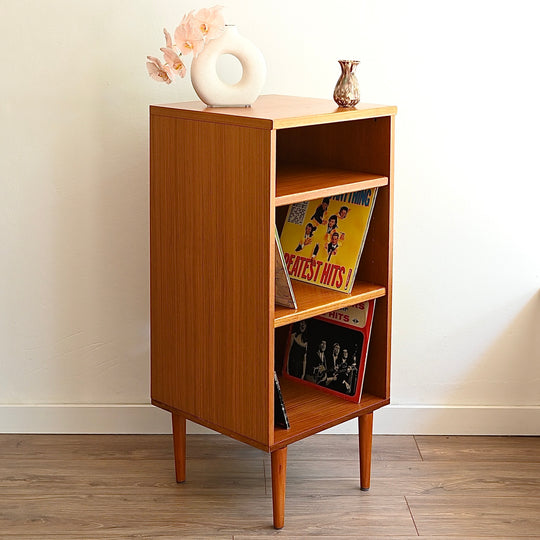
(206, 82)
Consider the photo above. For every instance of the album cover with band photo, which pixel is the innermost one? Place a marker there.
(330, 351)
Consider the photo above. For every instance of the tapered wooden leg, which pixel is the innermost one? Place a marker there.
(179, 439)
(279, 476)
(365, 437)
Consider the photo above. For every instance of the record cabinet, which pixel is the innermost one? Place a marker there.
(220, 180)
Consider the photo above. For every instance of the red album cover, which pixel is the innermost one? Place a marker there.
(329, 352)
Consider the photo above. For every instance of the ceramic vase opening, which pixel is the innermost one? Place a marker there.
(207, 83)
(229, 69)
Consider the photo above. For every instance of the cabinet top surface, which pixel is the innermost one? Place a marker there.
(274, 112)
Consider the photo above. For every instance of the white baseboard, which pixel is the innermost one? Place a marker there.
(84, 418)
(391, 420)
(453, 420)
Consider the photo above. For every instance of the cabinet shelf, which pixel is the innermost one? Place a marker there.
(313, 300)
(311, 411)
(300, 182)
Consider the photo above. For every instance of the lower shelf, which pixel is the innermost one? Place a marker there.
(311, 411)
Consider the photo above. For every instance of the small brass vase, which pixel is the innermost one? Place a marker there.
(347, 90)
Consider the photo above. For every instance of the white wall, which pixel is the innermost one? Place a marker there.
(74, 96)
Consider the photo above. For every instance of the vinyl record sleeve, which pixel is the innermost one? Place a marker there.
(323, 239)
(329, 352)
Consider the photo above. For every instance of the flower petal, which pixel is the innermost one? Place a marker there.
(155, 61)
(168, 39)
(210, 21)
(174, 62)
(157, 71)
(188, 37)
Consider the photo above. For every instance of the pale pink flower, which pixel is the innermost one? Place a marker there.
(188, 36)
(210, 21)
(157, 71)
(174, 62)
(168, 39)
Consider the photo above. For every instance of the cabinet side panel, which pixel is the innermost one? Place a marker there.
(376, 262)
(210, 229)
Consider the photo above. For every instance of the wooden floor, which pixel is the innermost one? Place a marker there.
(122, 486)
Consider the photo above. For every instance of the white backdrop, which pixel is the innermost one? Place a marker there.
(74, 96)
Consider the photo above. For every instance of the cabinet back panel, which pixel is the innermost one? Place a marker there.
(210, 277)
(358, 145)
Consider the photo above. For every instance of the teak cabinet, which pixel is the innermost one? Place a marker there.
(220, 180)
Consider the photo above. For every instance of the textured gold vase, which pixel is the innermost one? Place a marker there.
(347, 90)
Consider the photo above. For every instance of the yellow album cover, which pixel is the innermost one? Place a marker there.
(322, 240)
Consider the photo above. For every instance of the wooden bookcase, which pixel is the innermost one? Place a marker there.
(220, 180)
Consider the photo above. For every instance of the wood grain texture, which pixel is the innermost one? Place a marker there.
(377, 258)
(482, 479)
(231, 477)
(364, 145)
(326, 477)
(474, 516)
(296, 183)
(311, 411)
(361, 536)
(157, 513)
(279, 476)
(274, 112)
(85, 447)
(179, 441)
(26, 447)
(214, 175)
(111, 487)
(385, 448)
(365, 438)
(216, 427)
(313, 300)
(218, 178)
(210, 282)
(471, 448)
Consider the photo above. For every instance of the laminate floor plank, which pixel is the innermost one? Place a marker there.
(360, 536)
(214, 446)
(83, 447)
(469, 516)
(479, 448)
(451, 478)
(114, 536)
(385, 448)
(122, 486)
(151, 513)
(89, 476)
(136, 513)
(120, 447)
(416, 478)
